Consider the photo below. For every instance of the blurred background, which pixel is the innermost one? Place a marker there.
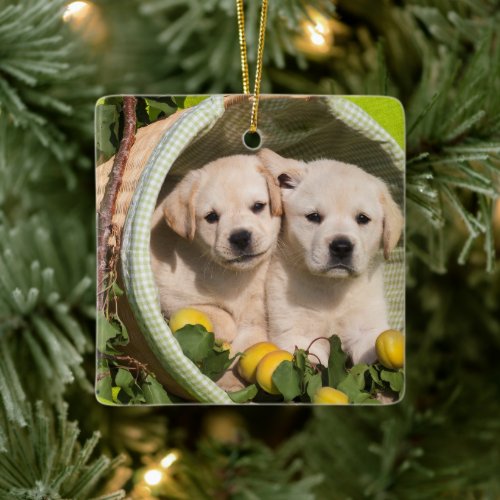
(441, 58)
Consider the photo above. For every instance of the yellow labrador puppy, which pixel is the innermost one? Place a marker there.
(327, 276)
(213, 237)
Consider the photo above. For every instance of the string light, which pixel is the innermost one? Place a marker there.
(316, 34)
(155, 477)
(169, 459)
(86, 19)
(75, 10)
(152, 477)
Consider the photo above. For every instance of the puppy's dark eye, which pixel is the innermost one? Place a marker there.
(362, 219)
(212, 217)
(314, 217)
(258, 207)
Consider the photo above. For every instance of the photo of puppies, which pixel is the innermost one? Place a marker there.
(217, 251)
(273, 275)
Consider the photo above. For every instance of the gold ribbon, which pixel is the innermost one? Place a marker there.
(244, 61)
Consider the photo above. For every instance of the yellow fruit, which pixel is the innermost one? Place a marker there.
(249, 360)
(266, 367)
(330, 396)
(390, 346)
(188, 316)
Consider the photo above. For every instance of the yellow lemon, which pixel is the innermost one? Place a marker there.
(249, 360)
(266, 367)
(188, 316)
(330, 396)
(390, 346)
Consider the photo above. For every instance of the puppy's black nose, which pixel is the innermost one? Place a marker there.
(341, 248)
(240, 239)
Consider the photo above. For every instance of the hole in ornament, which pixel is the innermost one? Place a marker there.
(252, 140)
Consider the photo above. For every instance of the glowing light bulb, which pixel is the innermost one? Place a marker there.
(153, 476)
(317, 34)
(320, 28)
(75, 9)
(318, 39)
(86, 19)
(169, 459)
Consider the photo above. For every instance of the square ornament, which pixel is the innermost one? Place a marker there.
(240, 267)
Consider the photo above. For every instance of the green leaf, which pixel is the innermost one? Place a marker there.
(137, 399)
(244, 395)
(115, 391)
(336, 362)
(141, 113)
(154, 108)
(107, 120)
(313, 384)
(354, 383)
(350, 387)
(301, 360)
(287, 380)
(104, 388)
(105, 331)
(122, 338)
(117, 290)
(125, 380)
(374, 374)
(189, 101)
(358, 372)
(375, 382)
(215, 364)
(105, 401)
(195, 341)
(395, 379)
(372, 401)
(362, 398)
(154, 393)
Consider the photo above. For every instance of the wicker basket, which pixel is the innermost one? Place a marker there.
(301, 127)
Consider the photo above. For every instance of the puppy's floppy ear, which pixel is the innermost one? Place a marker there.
(179, 205)
(273, 189)
(289, 172)
(393, 221)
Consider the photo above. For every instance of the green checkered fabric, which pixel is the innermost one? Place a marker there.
(136, 267)
(304, 128)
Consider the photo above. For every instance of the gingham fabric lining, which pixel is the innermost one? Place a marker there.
(308, 129)
(303, 128)
(139, 283)
(363, 123)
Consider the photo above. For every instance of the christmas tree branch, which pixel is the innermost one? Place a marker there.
(45, 292)
(46, 83)
(44, 459)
